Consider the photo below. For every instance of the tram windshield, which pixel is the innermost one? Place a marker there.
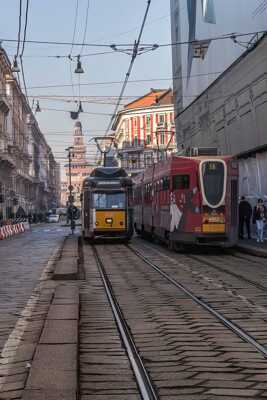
(213, 178)
(109, 200)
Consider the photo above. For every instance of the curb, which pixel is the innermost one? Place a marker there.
(54, 369)
(255, 251)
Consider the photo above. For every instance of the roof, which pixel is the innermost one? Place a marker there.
(108, 173)
(152, 98)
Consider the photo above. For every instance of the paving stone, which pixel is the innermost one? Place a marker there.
(68, 311)
(16, 394)
(54, 367)
(59, 332)
(42, 394)
(66, 269)
(234, 392)
(66, 292)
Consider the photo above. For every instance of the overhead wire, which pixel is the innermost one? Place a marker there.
(129, 81)
(22, 51)
(19, 30)
(75, 25)
(128, 73)
(73, 39)
(79, 44)
(85, 27)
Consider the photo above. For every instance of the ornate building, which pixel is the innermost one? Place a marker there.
(79, 167)
(29, 174)
(144, 129)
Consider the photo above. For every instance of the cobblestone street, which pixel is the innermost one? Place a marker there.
(22, 260)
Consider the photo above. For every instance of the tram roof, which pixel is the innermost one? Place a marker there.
(108, 173)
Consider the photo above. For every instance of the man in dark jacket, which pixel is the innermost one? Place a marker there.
(245, 212)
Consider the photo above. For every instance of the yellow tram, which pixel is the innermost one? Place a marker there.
(106, 204)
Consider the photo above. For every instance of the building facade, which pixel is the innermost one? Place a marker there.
(226, 109)
(24, 153)
(78, 168)
(235, 122)
(144, 130)
(196, 65)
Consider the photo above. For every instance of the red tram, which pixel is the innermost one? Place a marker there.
(188, 200)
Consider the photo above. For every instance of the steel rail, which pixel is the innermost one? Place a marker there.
(142, 377)
(219, 268)
(229, 324)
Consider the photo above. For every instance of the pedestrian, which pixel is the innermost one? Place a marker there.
(245, 212)
(259, 218)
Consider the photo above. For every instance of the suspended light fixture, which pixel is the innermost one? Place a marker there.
(15, 67)
(79, 68)
(74, 114)
(38, 108)
(80, 109)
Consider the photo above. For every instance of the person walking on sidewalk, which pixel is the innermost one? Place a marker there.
(259, 218)
(245, 212)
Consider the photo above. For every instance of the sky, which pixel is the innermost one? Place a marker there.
(109, 22)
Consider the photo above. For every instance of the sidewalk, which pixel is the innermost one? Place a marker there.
(252, 247)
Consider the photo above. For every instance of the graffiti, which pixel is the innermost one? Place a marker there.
(176, 214)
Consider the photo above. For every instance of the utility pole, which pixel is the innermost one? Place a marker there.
(72, 223)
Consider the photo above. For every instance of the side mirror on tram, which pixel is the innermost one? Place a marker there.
(81, 197)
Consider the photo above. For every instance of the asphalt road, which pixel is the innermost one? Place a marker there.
(22, 260)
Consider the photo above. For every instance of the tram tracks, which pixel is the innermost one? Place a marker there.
(185, 348)
(219, 268)
(142, 377)
(226, 322)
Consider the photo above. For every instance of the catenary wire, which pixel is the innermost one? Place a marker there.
(19, 30)
(25, 27)
(59, 43)
(85, 27)
(130, 81)
(128, 73)
(75, 25)
(22, 51)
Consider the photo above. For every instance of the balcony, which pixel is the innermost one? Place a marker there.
(6, 158)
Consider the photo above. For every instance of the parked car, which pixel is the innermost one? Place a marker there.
(53, 218)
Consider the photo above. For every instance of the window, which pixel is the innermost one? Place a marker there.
(213, 176)
(148, 123)
(126, 126)
(180, 182)
(135, 143)
(109, 200)
(161, 118)
(148, 158)
(162, 137)
(148, 139)
(166, 183)
(135, 126)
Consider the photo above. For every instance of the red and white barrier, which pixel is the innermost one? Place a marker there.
(7, 231)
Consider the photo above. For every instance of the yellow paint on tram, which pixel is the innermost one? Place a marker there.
(110, 219)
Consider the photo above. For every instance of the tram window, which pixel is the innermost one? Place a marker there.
(166, 183)
(109, 200)
(213, 174)
(180, 182)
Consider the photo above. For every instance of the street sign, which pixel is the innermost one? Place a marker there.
(70, 187)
